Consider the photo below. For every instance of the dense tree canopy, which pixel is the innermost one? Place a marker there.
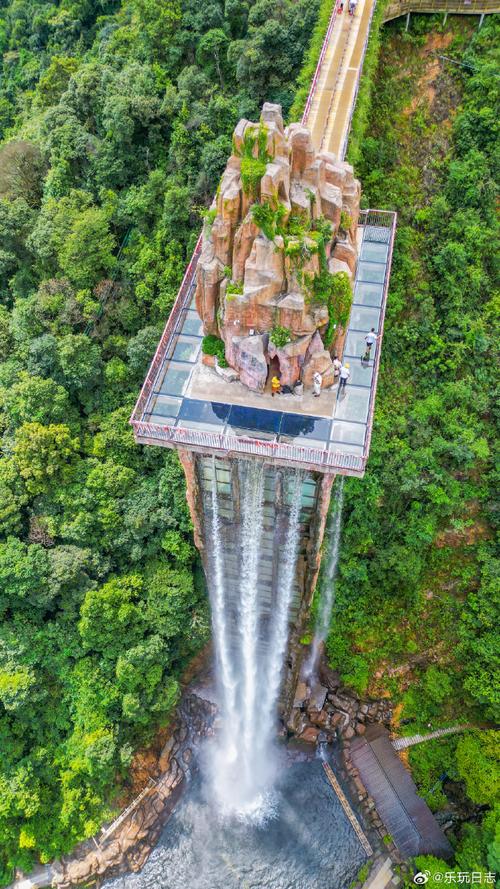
(115, 124)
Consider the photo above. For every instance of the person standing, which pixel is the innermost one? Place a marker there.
(352, 6)
(345, 373)
(337, 364)
(275, 386)
(370, 339)
(317, 384)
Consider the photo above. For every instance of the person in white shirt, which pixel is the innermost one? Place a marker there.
(337, 364)
(370, 339)
(317, 384)
(345, 373)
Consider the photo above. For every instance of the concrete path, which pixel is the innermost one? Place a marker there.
(331, 110)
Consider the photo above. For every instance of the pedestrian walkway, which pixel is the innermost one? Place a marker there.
(411, 740)
(331, 109)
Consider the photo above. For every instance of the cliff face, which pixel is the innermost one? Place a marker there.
(279, 254)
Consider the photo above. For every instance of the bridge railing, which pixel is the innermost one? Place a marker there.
(181, 302)
(382, 219)
(317, 73)
(459, 7)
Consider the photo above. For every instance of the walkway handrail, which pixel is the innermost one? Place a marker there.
(411, 740)
(126, 812)
(459, 7)
(358, 80)
(384, 218)
(317, 72)
(180, 304)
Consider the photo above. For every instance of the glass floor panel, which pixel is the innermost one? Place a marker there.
(175, 379)
(193, 325)
(355, 345)
(349, 433)
(361, 373)
(164, 406)
(371, 271)
(364, 318)
(368, 294)
(255, 419)
(297, 426)
(187, 348)
(353, 405)
(210, 412)
(374, 251)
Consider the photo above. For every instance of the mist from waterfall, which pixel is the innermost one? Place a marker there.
(250, 645)
(328, 581)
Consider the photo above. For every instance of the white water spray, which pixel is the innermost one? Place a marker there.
(251, 533)
(276, 648)
(328, 585)
(219, 611)
(250, 661)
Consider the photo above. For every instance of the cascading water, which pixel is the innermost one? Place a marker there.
(250, 649)
(220, 616)
(276, 648)
(328, 585)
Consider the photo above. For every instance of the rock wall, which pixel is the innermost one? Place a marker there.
(283, 223)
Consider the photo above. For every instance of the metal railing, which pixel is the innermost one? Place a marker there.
(317, 72)
(460, 7)
(180, 436)
(181, 302)
(383, 219)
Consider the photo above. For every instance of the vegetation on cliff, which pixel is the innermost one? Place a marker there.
(115, 121)
(417, 597)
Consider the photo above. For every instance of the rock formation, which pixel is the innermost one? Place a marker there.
(281, 229)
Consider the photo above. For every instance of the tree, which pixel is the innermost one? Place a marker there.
(112, 620)
(37, 400)
(88, 253)
(44, 455)
(212, 49)
(477, 761)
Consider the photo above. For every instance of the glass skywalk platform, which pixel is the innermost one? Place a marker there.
(185, 404)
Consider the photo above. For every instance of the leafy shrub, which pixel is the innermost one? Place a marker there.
(213, 345)
(280, 336)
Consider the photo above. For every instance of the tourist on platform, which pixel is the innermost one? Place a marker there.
(337, 364)
(317, 384)
(370, 339)
(352, 6)
(275, 386)
(345, 373)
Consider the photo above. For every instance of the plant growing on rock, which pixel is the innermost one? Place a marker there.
(269, 220)
(234, 287)
(253, 166)
(213, 345)
(280, 336)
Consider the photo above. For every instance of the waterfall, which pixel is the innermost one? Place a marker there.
(220, 629)
(328, 582)
(250, 646)
(276, 648)
(251, 532)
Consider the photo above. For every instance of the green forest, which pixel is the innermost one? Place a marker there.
(116, 122)
(417, 599)
(115, 125)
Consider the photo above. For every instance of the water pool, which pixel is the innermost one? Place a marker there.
(308, 844)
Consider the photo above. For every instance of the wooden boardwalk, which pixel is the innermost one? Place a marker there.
(348, 810)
